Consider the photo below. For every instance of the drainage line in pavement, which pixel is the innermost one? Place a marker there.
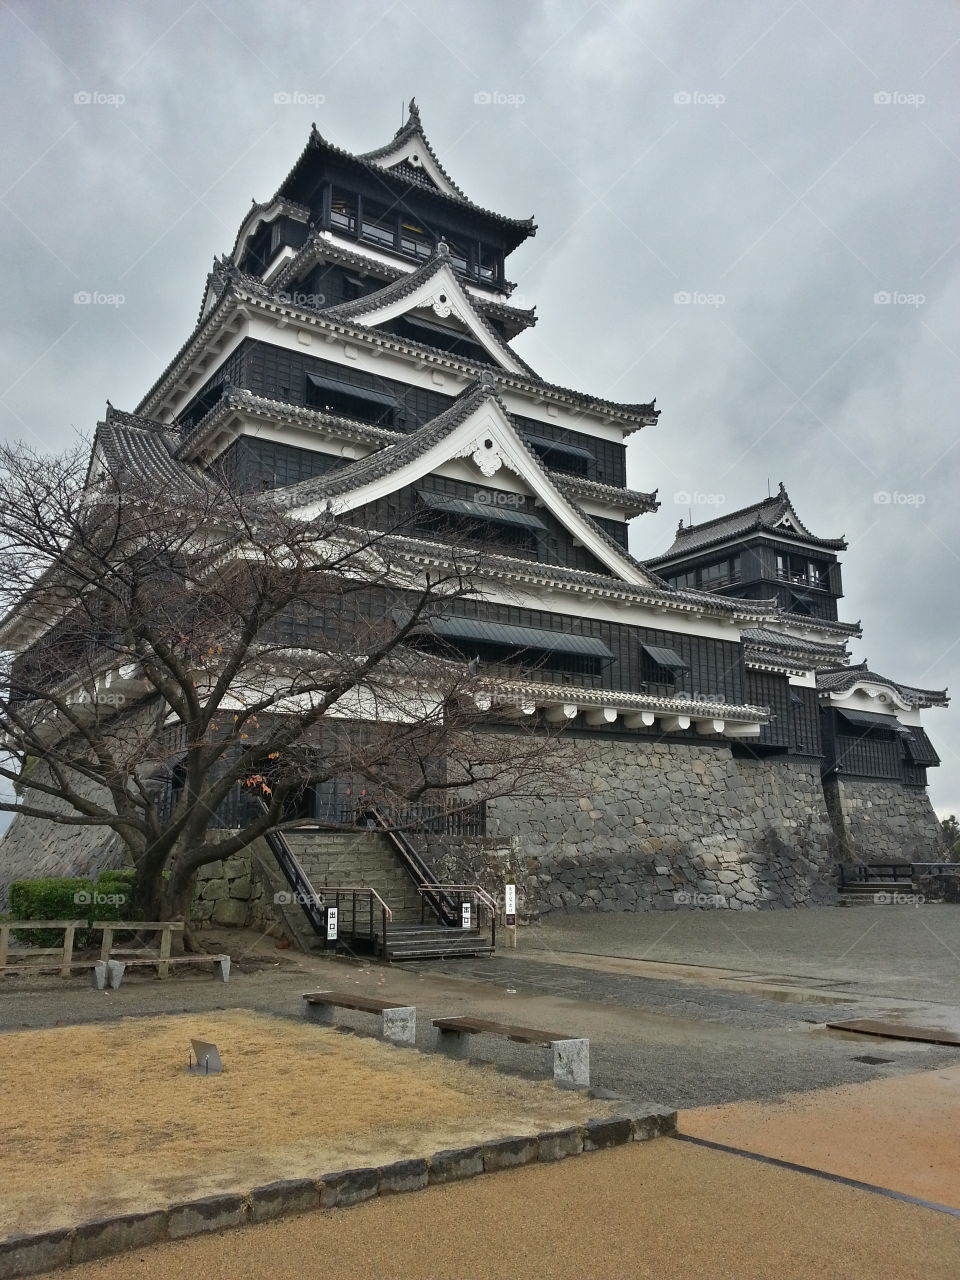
(817, 1173)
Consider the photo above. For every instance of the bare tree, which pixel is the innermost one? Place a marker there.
(169, 649)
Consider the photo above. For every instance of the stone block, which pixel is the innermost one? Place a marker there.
(25, 1255)
(451, 1166)
(557, 1144)
(210, 1213)
(569, 1063)
(507, 1153)
(403, 1175)
(650, 1120)
(351, 1186)
(606, 1132)
(277, 1199)
(104, 1236)
(240, 888)
(98, 974)
(230, 911)
(213, 890)
(400, 1025)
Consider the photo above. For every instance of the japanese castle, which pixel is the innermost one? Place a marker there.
(353, 353)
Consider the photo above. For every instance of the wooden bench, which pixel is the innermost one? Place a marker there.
(398, 1022)
(114, 960)
(565, 1058)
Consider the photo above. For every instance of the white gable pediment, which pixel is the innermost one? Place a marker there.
(442, 294)
(488, 442)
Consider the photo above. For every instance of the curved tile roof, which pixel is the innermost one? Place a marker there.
(762, 516)
(840, 679)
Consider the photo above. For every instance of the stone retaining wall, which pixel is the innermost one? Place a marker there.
(883, 821)
(658, 826)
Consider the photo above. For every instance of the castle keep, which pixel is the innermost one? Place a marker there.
(353, 355)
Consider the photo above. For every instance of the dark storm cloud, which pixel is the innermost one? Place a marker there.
(786, 167)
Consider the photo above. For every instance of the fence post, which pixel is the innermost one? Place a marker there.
(163, 968)
(68, 933)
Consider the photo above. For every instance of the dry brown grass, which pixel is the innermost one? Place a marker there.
(105, 1118)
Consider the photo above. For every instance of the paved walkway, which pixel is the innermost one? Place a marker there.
(660, 1209)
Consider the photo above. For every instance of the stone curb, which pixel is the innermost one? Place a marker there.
(26, 1255)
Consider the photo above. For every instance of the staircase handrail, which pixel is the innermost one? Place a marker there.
(486, 898)
(329, 889)
(421, 872)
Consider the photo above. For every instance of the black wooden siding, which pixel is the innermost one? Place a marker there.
(280, 374)
(795, 725)
(867, 754)
(251, 464)
(398, 511)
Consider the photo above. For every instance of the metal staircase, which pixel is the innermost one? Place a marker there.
(365, 919)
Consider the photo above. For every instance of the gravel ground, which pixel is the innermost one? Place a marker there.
(675, 1043)
(659, 1209)
(892, 951)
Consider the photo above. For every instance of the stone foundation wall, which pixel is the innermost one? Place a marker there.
(660, 826)
(883, 821)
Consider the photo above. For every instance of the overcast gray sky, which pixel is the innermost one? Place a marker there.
(789, 167)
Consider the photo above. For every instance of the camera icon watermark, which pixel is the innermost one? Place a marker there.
(694, 98)
(287, 898)
(883, 899)
(894, 498)
(94, 98)
(686, 898)
(94, 298)
(894, 298)
(497, 498)
(90, 898)
(494, 98)
(687, 299)
(312, 301)
(894, 98)
(693, 498)
(296, 98)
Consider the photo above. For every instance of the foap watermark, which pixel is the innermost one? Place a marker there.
(95, 98)
(899, 899)
(695, 98)
(894, 298)
(297, 98)
(693, 498)
(91, 898)
(286, 899)
(494, 98)
(685, 898)
(687, 299)
(94, 298)
(895, 98)
(894, 498)
(497, 498)
(310, 300)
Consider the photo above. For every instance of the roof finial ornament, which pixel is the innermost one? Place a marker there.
(680, 525)
(414, 109)
(487, 381)
(783, 489)
(443, 249)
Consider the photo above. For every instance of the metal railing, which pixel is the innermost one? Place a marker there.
(422, 874)
(360, 923)
(458, 894)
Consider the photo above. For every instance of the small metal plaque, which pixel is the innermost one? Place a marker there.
(510, 899)
(332, 914)
(465, 915)
(205, 1059)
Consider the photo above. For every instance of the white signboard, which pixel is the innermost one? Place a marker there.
(465, 915)
(510, 899)
(331, 924)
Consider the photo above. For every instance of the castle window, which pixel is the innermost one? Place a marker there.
(362, 403)
(378, 224)
(489, 523)
(560, 456)
(662, 665)
(553, 653)
(343, 211)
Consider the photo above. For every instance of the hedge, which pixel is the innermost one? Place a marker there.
(109, 897)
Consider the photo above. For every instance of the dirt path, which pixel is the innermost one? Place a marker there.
(660, 1209)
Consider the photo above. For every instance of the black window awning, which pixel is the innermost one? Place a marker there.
(481, 510)
(664, 657)
(543, 445)
(509, 637)
(919, 749)
(337, 387)
(864, 720)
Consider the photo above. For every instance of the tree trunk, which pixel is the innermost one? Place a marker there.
(168, 895)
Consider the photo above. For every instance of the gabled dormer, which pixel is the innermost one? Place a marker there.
(759, 552)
